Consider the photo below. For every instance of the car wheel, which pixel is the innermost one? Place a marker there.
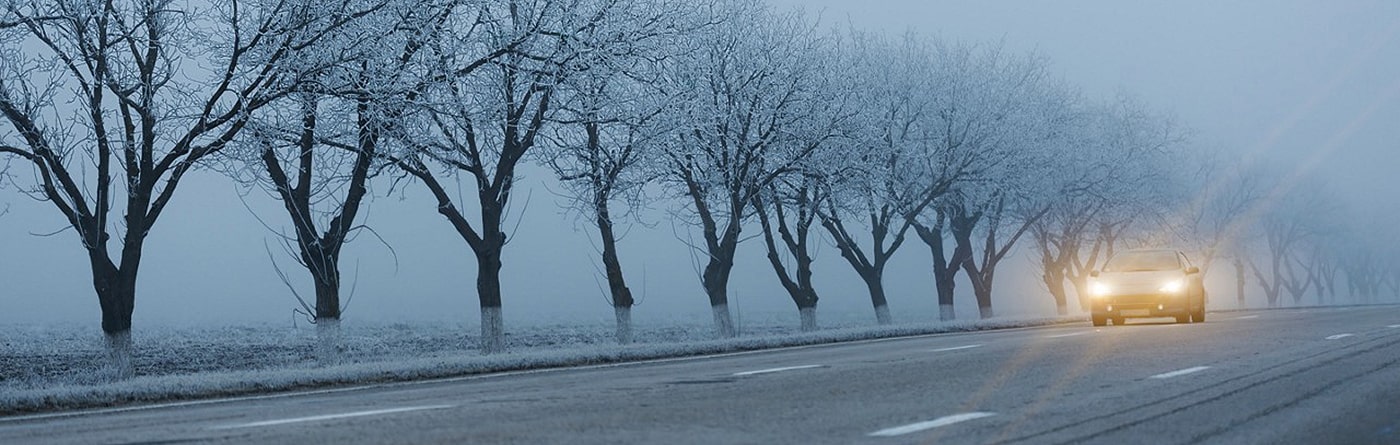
(1183, 318)
(1099, 320)
(1199, 316)
(1119, 321)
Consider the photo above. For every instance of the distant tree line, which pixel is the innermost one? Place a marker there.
(754, 123)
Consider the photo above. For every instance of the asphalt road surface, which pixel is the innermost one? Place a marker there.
(1287, 376)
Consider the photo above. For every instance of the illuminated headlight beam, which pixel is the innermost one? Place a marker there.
(1100, 289)
(1173, 286)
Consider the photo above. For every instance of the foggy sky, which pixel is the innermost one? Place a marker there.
(1314, 84)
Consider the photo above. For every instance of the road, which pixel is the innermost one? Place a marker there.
(1287, 376)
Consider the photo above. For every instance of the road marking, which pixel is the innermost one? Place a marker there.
(377, 412)
(1066, 335)
(1339, 336)
(770, 371)
(935, 423)
(1179, 373)
(1246, 317)
(955, 348)
(1394, 326)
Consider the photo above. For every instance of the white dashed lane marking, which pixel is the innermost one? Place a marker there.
(378, 412)
(1067, 335)
(935, 423)
(1339, 336)
(773, 370)
(1179, 373)
(956, 348)
(1246, 317)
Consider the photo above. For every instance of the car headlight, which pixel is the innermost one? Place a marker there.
(1099, 289)
(1173, 286)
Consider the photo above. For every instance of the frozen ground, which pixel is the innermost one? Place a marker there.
(51, 367)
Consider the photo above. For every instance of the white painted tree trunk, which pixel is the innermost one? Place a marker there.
(946, 313)
(809, 318)
(119, 354)
(493, 331)
(882, 315)
(986, 312)
(329, 342)
(724, 324)
(624, 324)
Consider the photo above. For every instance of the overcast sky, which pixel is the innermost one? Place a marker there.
(1314, 84)
(1306, 81)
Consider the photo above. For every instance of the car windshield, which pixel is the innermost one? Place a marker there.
(1142, 261)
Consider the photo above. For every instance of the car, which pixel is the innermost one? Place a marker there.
(1143, 283)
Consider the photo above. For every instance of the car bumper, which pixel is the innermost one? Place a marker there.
(1144, 305)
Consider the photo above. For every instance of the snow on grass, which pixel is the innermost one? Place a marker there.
(47, 368)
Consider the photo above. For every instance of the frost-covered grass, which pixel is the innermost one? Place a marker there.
(45, 368)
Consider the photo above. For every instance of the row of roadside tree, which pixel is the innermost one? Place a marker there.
(760, 124)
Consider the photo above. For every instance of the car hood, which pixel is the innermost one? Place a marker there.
(1134, 282)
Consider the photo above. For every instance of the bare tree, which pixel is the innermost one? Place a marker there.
(899, 169)
(1219, 194)
(1117, 174)
(1003, 109)
(1366, 255)
(612, 115)
(945, 263)
(1287, 223)
(787, 212)
(1364, 274)
(790, 207)
(317, 150)
(494, 71)
(1392, 278)
(1061, 239)
(758, 108)
(1214, 218)
(113, 97)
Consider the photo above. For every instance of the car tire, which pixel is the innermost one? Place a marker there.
(1119, 321)
(1099, 320)
(1199, 316)
(1183, 318)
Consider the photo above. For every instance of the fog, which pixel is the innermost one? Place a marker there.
(1315, 85)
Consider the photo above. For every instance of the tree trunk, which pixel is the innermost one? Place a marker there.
(943, 274)
(488, 288)
(724, 323)
(1239, 282)
(981, 287)
(984, 298)
(809, 318)
(716, 283)
(116, 293)
(1081, 291)
(624, 324)
(875, 283)
(493, 331)
(617, 286)
(1055, 283)
(120, 353)
(327, 282)
(945, 295)
(329, 346)
(800, 289)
